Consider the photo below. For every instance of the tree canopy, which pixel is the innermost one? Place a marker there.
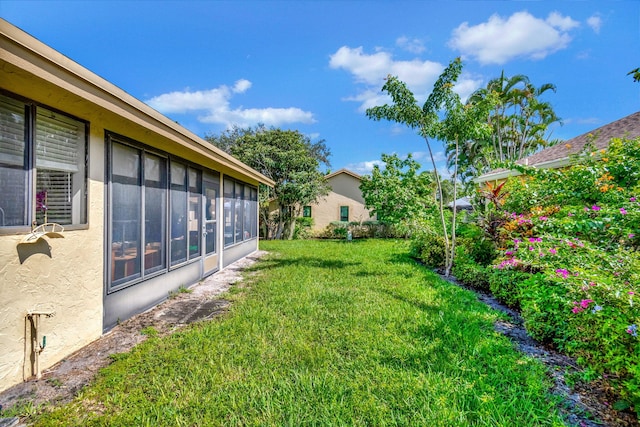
(519, 121)
(291, 160)
(398, 192)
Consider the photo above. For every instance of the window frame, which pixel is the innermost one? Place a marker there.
(342, 209)
(30, 171)
(234, 196)
(166, 266)
(306, 211)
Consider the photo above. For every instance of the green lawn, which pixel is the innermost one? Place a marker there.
(328, 334)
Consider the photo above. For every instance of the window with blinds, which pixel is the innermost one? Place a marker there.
(42, 165)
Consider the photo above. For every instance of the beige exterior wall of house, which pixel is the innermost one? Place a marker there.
(345, 191)
(66, 276)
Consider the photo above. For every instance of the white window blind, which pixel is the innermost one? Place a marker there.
(58, 140)
(55, 194)
(12, 132)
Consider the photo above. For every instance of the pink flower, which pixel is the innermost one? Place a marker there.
(543, 218)
(586, 209)
(631, 235)
(531, 248)
(595, 207)
(631, 293)
(576, 309)
(632, 199)
(571, 214)
(585, 303)
(623, 211)
(562, 272)
(553, 251)
(508, 253)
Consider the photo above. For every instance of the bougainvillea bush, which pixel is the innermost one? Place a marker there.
(576, 233)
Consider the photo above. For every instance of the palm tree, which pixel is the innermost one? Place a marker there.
(520, 122)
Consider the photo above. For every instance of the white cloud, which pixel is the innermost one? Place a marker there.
(364, 168)
(215, 107)
(521, 35)
(595, 23)
(370, 70)
(410, 45)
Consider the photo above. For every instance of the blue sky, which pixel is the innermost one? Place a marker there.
(315, 66)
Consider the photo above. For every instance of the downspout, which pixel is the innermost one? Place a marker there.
(36, 347)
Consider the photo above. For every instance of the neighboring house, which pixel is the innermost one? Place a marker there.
(343, 203)
(560, 155)
(146, 206)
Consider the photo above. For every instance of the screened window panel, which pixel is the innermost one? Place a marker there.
(178, 213)
(254, 213)
(155, 212)
(195, 212)
(126, 200)
(13, 172)
(12, 132)
(229, 211)
(239, 209)
(247, 212)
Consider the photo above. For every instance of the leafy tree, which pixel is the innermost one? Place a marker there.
(398, 193)
(520, 122)
(291, 160)
(444, 117)
(635, 73)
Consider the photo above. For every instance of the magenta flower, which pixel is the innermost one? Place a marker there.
(631, 235)
(553, 251)
(531, 248)
(623, 211)
(570, 214)
(562, 272)
(632, 199)
(508, 253)
(585, 303)
(595, 207)
(543, 218)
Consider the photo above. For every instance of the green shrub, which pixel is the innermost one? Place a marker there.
(507, 284)
(303, 228)
(544, 309)
(428, 247)
(469, 272)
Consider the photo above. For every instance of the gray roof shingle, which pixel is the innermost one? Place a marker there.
(626, 127)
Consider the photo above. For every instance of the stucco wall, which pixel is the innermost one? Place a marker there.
(345, 192)
(67, 275)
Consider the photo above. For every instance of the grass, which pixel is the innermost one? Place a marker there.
(326, 334)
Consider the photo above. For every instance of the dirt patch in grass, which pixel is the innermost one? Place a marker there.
(584, 404)
(60, 383)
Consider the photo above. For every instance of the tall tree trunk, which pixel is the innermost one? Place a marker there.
(441, 205)
(453, 219)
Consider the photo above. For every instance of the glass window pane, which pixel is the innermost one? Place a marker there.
(155, 212)
(229, 211)
(211, 238)
(344, 213)
(195, 212)
(178, 213)
(125, 213)
(254, 213)
(13, 171)
(247, 212)
(60, 163)
(238, 211)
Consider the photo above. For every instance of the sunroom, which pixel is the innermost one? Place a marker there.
(106, 206)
